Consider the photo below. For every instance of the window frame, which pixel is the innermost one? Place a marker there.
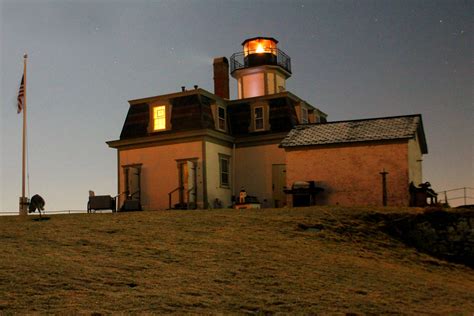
(225, 158)
(304, 115)
(221, 119)
(157, 118)
(255, 118)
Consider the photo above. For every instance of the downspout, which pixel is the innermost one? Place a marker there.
(204, 176)
(233, 170)
(118, 197)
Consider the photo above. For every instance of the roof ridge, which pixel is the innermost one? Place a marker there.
(365, 119)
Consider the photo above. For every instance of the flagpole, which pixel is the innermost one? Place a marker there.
(23, 199)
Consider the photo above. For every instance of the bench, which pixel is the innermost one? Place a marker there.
(101, 202)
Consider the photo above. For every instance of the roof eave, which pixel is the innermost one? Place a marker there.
(169, 137)
(176, 95)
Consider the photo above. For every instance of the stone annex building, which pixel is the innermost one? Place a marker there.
(197, 149)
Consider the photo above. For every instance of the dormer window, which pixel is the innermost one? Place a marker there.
(221, 118)
(258, 118)
(304, 115)
(159, 118)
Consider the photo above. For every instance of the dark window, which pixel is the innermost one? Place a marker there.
(304, 116)
(258, 115)
(221, 118)
(224, 170)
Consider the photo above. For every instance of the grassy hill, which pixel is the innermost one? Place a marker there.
(307, 260)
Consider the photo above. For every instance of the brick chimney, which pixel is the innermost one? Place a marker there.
(221, 77)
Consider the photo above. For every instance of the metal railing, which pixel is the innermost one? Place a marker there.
(170, 196)
(465, 194)
(241, 60)
(188, 194)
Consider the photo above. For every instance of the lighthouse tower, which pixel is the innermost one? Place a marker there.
(261, 68)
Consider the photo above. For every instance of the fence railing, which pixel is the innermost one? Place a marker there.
(462, 196)
(46, 212)
(456, 197)
(170, 196)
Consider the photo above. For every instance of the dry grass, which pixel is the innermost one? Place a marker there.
(221, 261)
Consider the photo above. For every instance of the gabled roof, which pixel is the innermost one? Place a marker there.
(374, 129)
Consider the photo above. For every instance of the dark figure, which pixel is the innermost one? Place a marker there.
(36, 203)
(420, 195)
(217, 203)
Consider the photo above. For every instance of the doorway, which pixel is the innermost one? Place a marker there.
(132, 181)
(187, 183)
(132, 193)
(278, 185)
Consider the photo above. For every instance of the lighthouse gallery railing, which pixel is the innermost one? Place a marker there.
(241, 60)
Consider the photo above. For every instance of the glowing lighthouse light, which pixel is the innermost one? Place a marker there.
(260, 45)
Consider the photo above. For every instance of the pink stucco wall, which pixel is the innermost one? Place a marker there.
(350, 174)
(159, 172)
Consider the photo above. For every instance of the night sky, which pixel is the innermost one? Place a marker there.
(351, 59)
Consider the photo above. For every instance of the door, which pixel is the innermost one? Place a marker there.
(278, 185)
(191, 187)
(187, 183)
(134, 179)
(132, 182)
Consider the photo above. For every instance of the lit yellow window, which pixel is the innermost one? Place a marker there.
(159, 118)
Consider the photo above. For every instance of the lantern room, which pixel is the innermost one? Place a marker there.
(260, 68)
(260, 51)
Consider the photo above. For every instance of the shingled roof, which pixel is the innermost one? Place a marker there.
(374, 129)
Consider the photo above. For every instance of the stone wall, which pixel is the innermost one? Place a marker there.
(444, 234)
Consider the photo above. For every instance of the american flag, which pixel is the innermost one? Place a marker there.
(21, 94)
